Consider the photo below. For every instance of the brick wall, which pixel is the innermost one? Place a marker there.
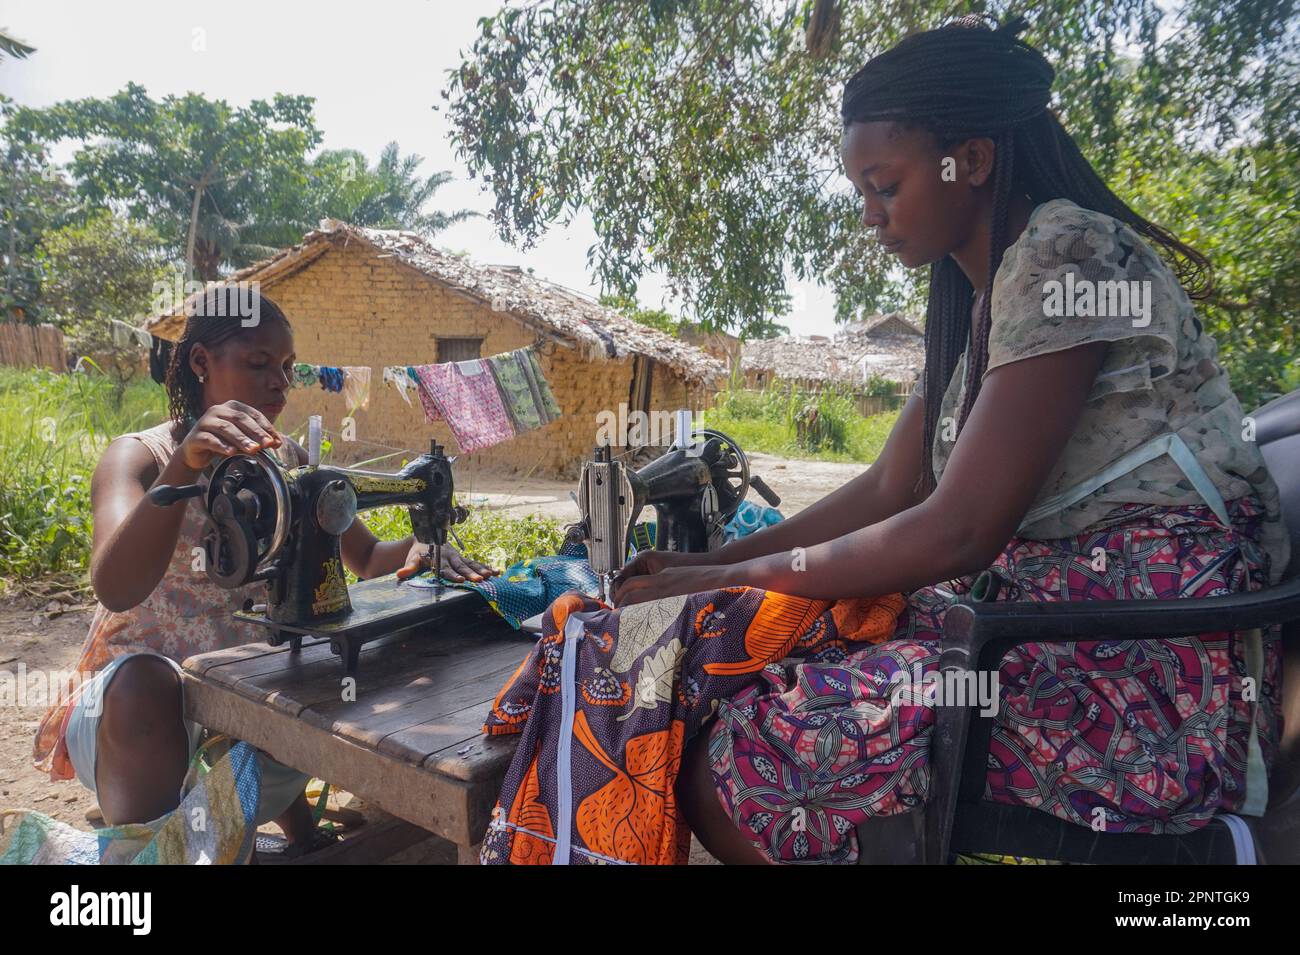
(350, 307)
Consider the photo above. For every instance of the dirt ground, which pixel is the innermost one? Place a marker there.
(48, 635)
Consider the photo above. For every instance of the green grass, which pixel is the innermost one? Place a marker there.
(489, 537)
(53, 430)
(766, 421)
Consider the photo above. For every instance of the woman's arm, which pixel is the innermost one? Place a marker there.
(1020, 424)
(133, 539)
(888, 486)
(884, 489)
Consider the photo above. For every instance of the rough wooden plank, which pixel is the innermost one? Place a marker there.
(416, 743)
(447, 807)
(202, 664)
(468, 855)
(476, 759)
(461, 683)
(380, 664)
(372, 843)
(291, 689)
(383, 720)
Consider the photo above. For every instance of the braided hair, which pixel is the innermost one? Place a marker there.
(966, 80)
(214, 319)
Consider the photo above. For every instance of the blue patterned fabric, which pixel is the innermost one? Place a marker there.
(526, 588)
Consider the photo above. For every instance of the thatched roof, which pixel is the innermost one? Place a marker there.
(886, 345)
(569, 317)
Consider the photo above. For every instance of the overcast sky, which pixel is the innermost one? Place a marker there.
(376, 69)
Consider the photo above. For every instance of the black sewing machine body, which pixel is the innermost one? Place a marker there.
(282, 527)
(695, 488)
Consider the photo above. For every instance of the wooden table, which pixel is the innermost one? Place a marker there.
(410, 741)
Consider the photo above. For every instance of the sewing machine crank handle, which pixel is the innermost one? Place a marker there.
(769, 495)
(165, 495)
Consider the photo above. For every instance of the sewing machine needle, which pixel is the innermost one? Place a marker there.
(437, 567)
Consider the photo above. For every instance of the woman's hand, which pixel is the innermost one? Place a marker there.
(670, 582)
(455, 568)
(231, 427)
(653, 561)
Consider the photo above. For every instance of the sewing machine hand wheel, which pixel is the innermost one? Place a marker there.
(731, 477)
(248, 508)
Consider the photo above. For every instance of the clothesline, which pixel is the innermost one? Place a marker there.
(484, 401)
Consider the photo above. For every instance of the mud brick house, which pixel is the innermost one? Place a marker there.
(358, 296)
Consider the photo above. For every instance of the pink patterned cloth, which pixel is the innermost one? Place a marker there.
(1152, 735)
(465, 395)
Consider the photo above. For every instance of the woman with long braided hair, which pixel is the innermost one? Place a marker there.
(1072, 438)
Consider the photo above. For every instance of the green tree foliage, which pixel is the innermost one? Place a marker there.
(12, 46)
(391, 195)
(703, 135)
(98, 270)
(665, 322)
(34, 198)
(198, 169)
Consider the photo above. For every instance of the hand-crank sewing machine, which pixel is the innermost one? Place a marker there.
(282, 527)
(695, 488)
(266, 523)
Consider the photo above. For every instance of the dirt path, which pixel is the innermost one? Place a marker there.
(40, 640)
(799, 483)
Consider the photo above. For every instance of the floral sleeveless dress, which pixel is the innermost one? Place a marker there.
(186, 614)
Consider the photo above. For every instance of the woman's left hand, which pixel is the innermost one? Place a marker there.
(455, 568)
(669, 582)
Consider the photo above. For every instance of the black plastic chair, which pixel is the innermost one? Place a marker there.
(976, 636)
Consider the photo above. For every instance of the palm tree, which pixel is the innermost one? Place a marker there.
(14, 47)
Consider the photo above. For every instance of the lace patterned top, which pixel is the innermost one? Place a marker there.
(1076, 276)
(186, 614)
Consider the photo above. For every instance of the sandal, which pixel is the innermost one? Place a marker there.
(276, 850)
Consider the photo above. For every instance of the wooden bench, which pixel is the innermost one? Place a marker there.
(407, 737)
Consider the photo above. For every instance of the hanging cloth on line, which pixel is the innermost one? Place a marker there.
(398, 377)
(331, 378)
(465, 395)
(542, 393)
(356, 386)
(516, 394)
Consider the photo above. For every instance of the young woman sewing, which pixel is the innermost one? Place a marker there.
(226, 385)
(962, 167)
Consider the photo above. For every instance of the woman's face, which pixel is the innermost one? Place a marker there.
(920, 207)
(255, 367)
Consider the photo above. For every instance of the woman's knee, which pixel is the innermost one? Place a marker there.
(143, 698)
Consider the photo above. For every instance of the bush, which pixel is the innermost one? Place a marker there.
(490, 537)
(53, 429)
(767, 421)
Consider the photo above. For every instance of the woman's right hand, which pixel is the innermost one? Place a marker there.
(231, 427)
(653, 561)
